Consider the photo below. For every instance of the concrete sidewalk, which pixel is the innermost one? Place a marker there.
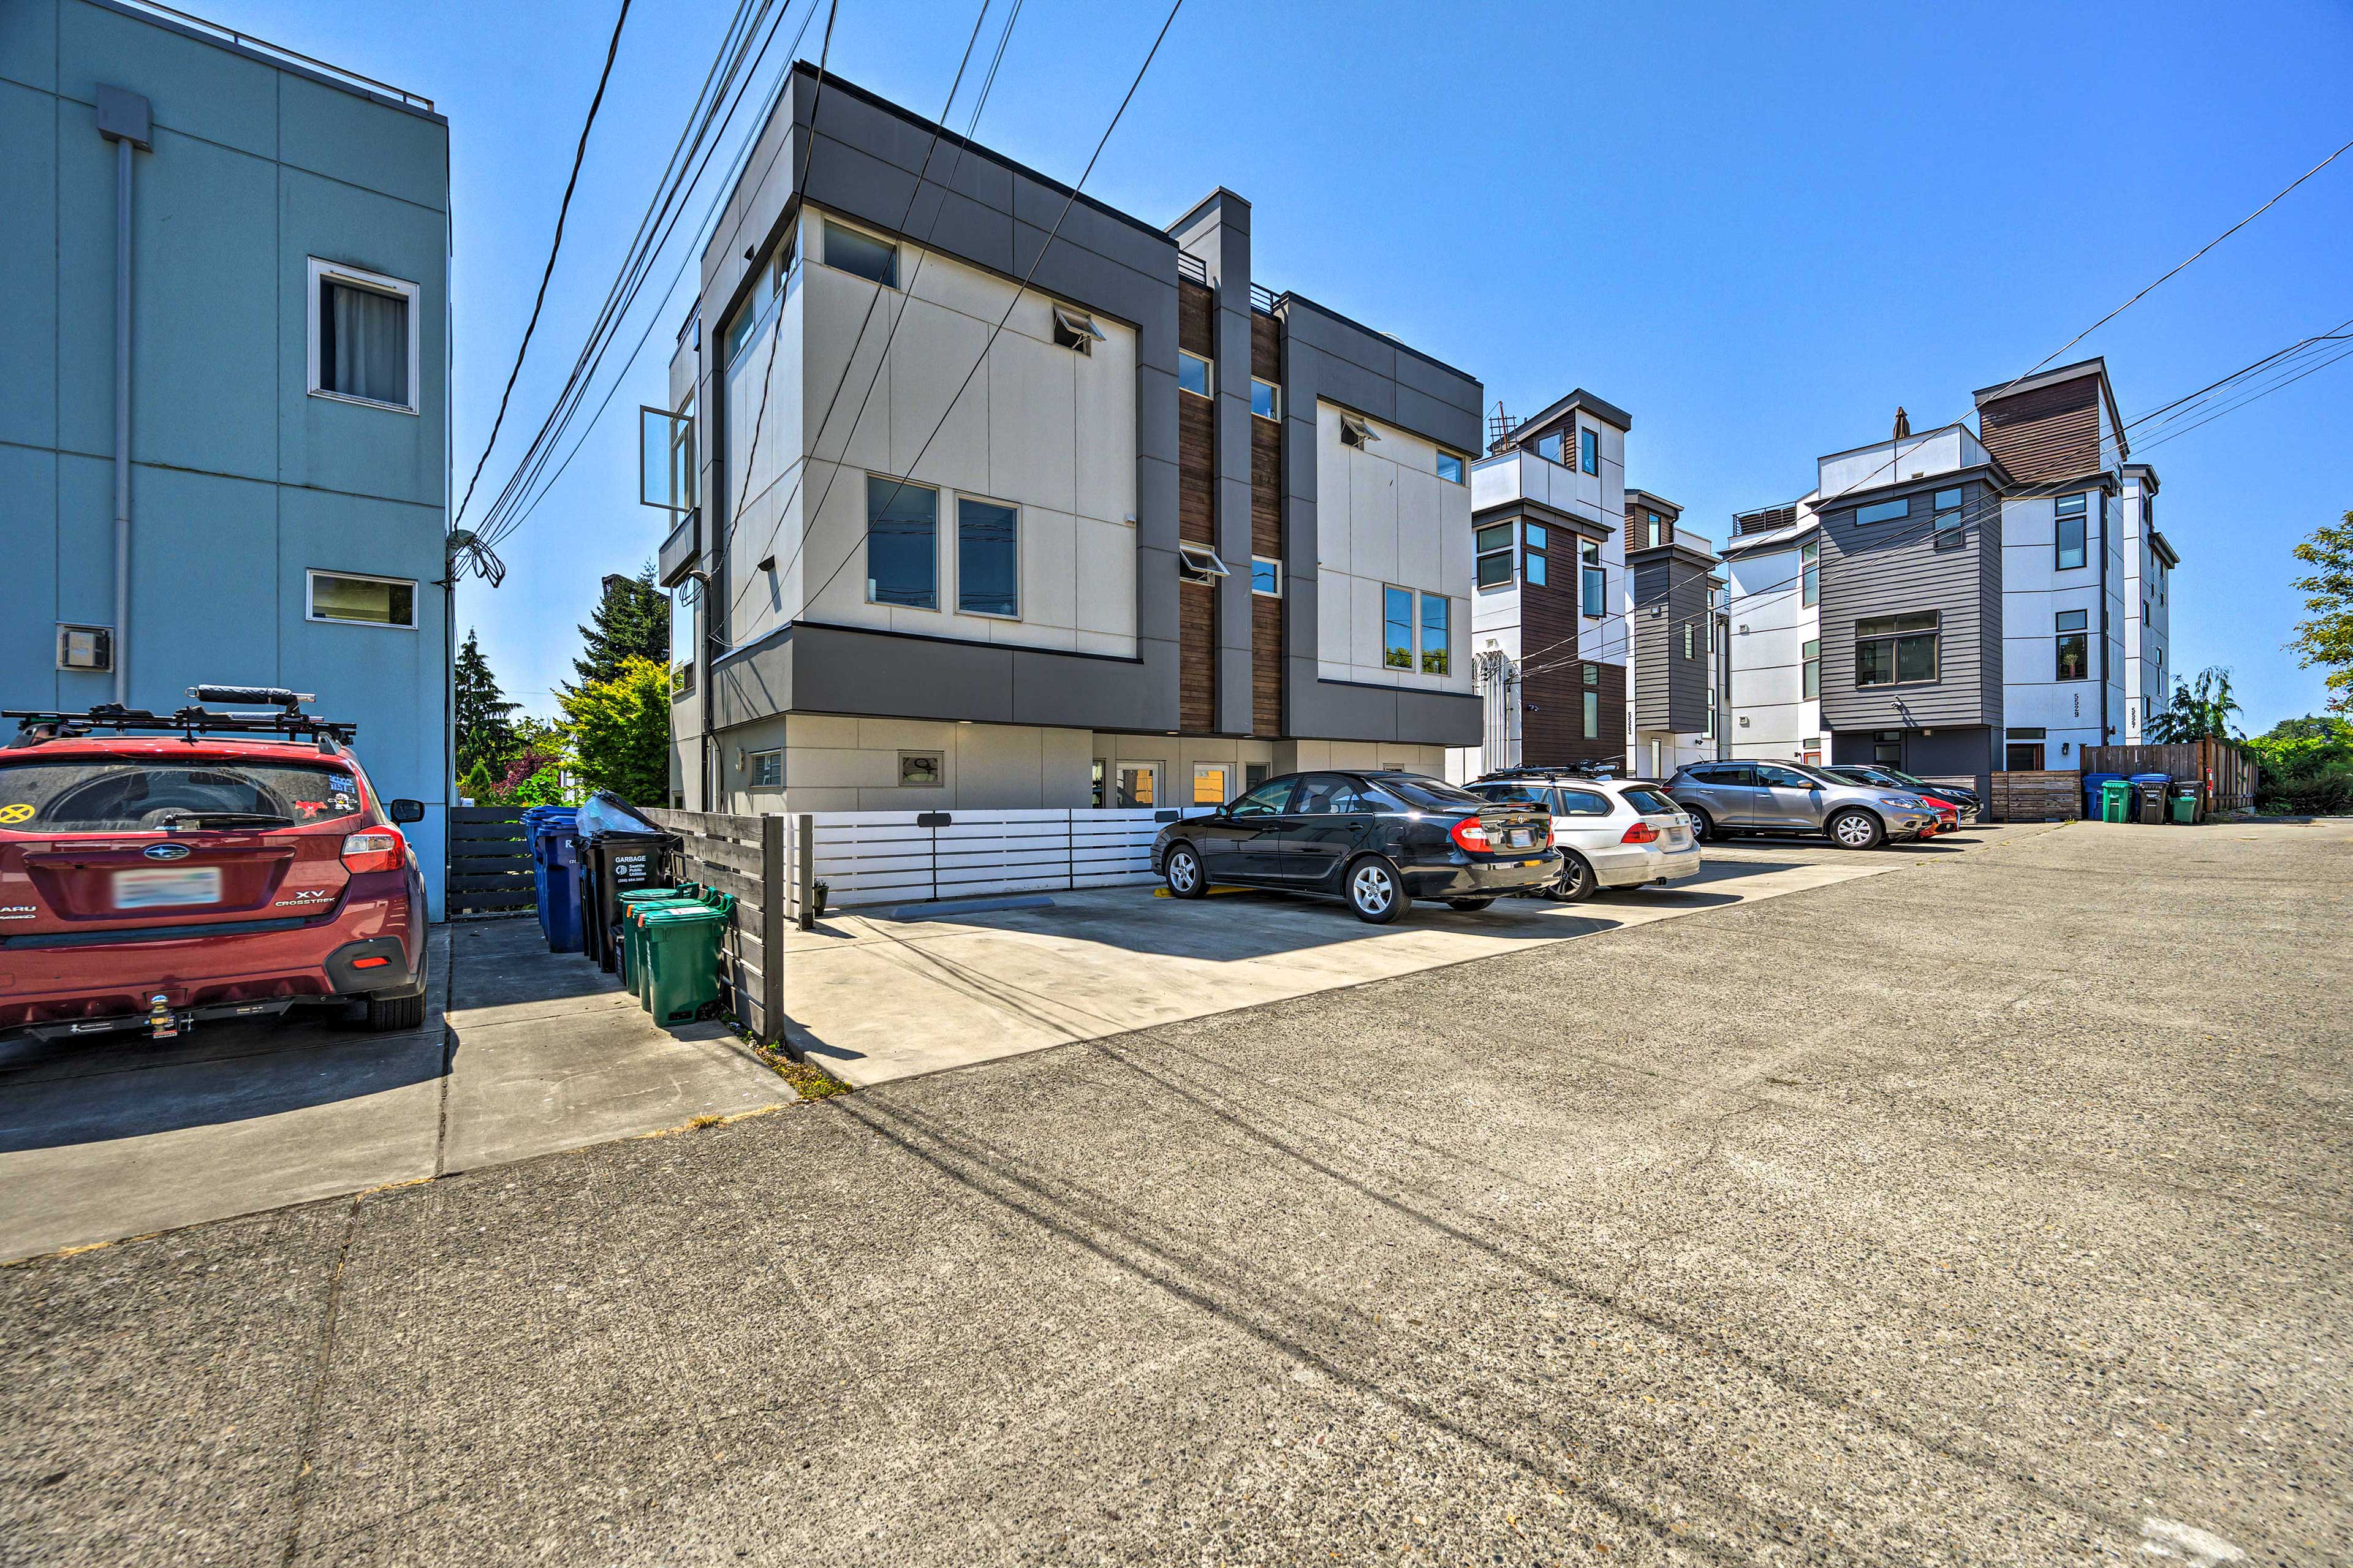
(876, 999)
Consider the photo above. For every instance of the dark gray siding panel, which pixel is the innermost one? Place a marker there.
(1894, 568)
(1670, 690)
(1650, 615)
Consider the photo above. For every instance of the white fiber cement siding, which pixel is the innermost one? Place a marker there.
(1384, 519)
(1771, 715)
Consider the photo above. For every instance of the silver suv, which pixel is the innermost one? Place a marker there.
(1723, 798)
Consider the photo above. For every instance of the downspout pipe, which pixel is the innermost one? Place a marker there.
(126, 119)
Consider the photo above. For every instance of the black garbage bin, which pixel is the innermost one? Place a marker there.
(620, 852)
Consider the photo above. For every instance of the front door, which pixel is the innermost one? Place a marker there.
(1139, 786)
(2024, 756)
(1784, 798)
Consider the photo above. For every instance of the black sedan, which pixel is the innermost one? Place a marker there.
(1379, 840)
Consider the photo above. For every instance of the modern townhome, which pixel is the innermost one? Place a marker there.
(991, 495)
(1957, 601)
(1549, 625)
(1679, 638)
(251, 487)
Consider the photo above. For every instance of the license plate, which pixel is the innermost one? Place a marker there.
(164, 884)
(1519, 838)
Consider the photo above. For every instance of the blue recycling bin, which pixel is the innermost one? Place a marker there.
(550, 828)
(2092, 783)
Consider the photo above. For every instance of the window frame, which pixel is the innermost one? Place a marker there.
(310, 576)
(1689, 640)
(1879, 511)
(1593, 583)
(1198, 563)
(1412, 636)
(1809, 574)
(1208, 373)
(1894, 637)
(2080, 634)
(1810, 689)
(1461, 474)
(1358, 431)
(1946, 530)
(1422, 634)
(1558, 442)
(323, 272)
(935, 492)
(1275, 569)
(2081, 517)
(829, 227)
(962, 500)
(1075, 330)
(1588, 450)
(1481, 555)
(1274, 397)
(1592, 714)
(752, 761)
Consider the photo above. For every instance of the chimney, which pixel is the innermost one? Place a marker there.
(1902, 424)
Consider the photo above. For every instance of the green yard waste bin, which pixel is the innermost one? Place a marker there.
(640, 899)
(2116, 801)
(2183, 801)
(680, 949)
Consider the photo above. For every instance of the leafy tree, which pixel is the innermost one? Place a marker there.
(2202, 714)
(2305, 766)
(545, 787)
(486, 736)
(2327, 639)
(630, 621)
(620, 732)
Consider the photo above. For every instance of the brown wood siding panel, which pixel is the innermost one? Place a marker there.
(2050, 434)
(1266, 488)
(1196, 314)
(1266, 666)
(1197, 659)
(1266, 348)
(1552, 716)
(1197, 470)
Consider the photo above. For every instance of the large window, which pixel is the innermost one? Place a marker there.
(2068, 541)
(988, 558)
(1593, 590)
(1588, 449)
(1949, 533)
(1192, 374)
(2074, 645)
(862, 255)
(1494, 543)
(1813, 686)
(365, 601)
(363, 336)
(1810, 561)
(1397, 628)
(1896, 650)
(902, 522)
(1532, 539)
(1436, 636)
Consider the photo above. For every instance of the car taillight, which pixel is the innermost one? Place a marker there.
(377, 849)
(1471, 834)
(1641, 833)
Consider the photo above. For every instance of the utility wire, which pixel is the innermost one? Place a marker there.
(556, 247)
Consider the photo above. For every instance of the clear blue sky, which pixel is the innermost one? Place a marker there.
(1756, 229)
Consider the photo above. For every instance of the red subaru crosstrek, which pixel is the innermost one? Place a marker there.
(161, 870)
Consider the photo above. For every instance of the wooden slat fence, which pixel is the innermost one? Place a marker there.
(2043, 796)
(744, 856)
(2227, 772)
(489, 862)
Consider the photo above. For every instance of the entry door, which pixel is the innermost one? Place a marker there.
(1139, 786)
(2024, 756)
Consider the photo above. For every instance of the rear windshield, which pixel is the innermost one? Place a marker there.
(102, 795)
(1646, 801)
(1426, 795)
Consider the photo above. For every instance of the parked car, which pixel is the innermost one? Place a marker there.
(1781, 797)
(1963, 801)
(1610, 832)
(161, 871)
(1378, 840)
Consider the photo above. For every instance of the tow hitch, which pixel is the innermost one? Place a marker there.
(166, 1023)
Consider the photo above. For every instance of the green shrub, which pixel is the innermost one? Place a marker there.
(2306, 767)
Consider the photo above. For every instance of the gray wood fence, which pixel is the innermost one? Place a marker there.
(489, 862)
(744, 856)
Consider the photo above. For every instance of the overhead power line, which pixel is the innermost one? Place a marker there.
(555, 247)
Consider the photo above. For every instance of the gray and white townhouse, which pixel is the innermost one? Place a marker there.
(1957, 601)
(992, 496)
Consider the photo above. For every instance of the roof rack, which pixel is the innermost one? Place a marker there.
(36, 726)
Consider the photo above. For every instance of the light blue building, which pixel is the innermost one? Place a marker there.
(285, 394)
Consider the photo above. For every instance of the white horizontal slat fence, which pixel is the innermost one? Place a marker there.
(867, 858)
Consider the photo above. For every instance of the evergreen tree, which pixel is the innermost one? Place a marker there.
(630, 621)
(485, 735)
(480, 785)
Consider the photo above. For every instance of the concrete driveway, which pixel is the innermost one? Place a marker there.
(876, 998)
(523, 1052)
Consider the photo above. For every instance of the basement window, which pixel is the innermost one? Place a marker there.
(1199, 564)
(1075, 330)
(1356, 432)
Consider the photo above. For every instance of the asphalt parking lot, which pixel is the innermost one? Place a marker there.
(1995, 1211)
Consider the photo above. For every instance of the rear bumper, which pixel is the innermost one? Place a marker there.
(1637, 866)
(1482, 878)
(46, 988)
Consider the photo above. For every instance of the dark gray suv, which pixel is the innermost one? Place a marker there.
(1782, 797)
